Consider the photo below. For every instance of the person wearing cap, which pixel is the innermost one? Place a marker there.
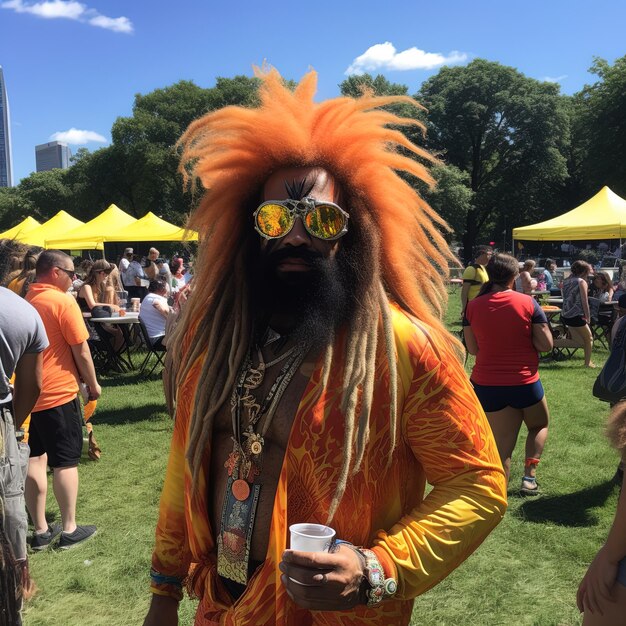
(133, 277)
(124, 264)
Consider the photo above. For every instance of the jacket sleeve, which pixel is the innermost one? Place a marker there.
(449, 435)
(172, 555)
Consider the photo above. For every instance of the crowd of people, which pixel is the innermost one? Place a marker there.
(46, 367)
(506, 329)
(309, 375)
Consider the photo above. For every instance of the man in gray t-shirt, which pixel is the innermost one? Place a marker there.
(22, 342)
(21, 333)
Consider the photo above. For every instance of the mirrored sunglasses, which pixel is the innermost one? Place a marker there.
(321, 219)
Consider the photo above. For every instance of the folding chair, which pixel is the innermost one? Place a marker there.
(158, 351)
(602, 318)
(102, 352)
(564, 346)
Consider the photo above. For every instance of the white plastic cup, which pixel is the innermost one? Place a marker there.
(311, 537)
(134, 302)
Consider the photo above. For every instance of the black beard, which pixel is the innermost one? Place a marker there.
(317, 301)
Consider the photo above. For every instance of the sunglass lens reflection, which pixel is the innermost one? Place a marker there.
(325, 222)
(274, 220)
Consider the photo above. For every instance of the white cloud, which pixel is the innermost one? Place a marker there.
(384, 56)
(77, 137)
(117, 24)
(50, 10)
(558, 79)
(70, 10)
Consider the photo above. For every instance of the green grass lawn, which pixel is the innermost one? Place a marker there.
(526, 572)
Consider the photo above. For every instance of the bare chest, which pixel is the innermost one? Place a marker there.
(275, 440)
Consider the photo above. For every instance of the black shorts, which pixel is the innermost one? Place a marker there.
(57, 432)
(497, 397)
(574, 322)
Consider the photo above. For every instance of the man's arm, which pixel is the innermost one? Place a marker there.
(464, 293)
(163, 611)
(172, 554)
(86, 369)
(27, 386)
(162, 307)
(450, 436)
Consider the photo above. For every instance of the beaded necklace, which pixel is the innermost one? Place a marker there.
(245, 462)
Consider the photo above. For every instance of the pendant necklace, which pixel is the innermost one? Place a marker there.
(246, 459)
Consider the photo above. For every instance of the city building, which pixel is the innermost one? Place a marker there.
(6, 164)
(52, 155)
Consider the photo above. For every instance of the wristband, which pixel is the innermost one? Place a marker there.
(161, 579)
(341, 542)
(380, 588)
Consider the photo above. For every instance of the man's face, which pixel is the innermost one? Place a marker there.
(153, 254)
(484, 257)
(63, 274)
(299, 275)
(295, 252)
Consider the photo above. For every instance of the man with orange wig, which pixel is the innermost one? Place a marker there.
(311, 377)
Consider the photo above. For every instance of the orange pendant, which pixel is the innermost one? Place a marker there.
(241, 489)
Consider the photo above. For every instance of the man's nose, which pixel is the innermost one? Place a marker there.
(298, 235)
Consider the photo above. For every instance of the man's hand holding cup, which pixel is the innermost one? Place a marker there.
(317, 579)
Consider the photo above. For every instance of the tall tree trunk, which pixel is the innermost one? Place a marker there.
(469, 237)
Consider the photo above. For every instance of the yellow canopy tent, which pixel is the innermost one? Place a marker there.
(601, 217)
(56, 226)
(152, 228)
(19, 230)
(93, 234)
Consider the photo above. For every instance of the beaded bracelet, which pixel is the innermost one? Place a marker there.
(381, 588)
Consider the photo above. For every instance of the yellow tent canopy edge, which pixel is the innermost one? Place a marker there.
(601, 217)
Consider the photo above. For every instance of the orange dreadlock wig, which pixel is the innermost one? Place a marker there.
(232, 152)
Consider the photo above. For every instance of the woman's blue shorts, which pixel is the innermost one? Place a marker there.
(497, 397)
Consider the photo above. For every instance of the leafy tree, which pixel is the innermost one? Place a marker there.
(599, 128)
(451, 197)
(507, 132)
(141, 166)
(45, 192)
(355, 86)
(13, 207)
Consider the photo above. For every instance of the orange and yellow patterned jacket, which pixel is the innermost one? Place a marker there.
(443, 438)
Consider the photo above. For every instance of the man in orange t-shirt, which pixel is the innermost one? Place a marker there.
(56, 434)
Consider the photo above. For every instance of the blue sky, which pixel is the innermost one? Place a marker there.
(72, 68)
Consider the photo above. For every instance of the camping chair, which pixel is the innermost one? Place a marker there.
(564, 346)
(102, 352)
(158, 351)
(113, 360)
(602, 318)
